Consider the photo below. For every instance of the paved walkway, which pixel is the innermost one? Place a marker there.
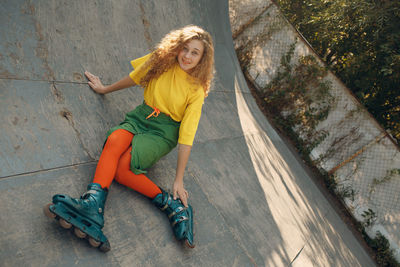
(255, 205)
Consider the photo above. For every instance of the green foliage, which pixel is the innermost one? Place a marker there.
(390, 174)
(300, 96)
(330, 181)
(369, 217)
(384, 255)
(360, 42)
(345, 192)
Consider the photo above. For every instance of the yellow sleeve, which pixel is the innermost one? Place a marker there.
(191, 118)
(138, 72)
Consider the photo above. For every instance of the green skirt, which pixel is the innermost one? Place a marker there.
(154, 137)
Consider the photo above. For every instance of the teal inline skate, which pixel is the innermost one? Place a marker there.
(84, 214)
(181, 218)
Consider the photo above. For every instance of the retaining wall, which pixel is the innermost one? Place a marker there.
(361, 155)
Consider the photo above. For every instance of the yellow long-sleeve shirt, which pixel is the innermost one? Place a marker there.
(174, 93)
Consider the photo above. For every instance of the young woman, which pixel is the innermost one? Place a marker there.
(176, 78)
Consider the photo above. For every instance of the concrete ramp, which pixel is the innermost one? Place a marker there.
(255, 205)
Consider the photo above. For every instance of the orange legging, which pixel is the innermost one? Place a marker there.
(115, 161)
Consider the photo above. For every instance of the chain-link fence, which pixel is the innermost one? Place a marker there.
(351, 147)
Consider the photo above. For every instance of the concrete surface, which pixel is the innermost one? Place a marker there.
(254, 203)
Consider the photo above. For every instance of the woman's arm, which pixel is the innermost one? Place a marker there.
(178, 189)
(98, 87)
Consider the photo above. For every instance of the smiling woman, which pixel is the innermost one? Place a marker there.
(190, 55)
(176, 78)
(173, 44)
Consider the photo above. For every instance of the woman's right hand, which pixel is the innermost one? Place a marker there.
(95, 83)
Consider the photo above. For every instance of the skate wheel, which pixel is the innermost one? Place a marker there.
(79, 233)
(105, 246)
(188, 244)
(64, 224)
(93, 242)
(47, 212)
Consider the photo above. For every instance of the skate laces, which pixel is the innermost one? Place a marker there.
(178, 210)
(181, 219)
(88, 193)
(167, 204)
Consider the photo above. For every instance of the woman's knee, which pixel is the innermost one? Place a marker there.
(123, 166)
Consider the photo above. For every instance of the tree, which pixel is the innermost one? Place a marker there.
(360, 41)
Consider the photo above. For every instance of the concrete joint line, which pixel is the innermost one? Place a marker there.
(297, 255)
(38, 80)
(47, 170)
(85, 83)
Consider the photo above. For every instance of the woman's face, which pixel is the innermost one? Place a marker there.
(190, 55)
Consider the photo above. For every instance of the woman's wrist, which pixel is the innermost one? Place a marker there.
(178, 179)
(106, 89)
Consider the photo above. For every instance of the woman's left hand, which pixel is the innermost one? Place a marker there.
(95, 83)
(180, 192)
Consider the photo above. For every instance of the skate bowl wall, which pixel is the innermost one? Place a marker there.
(254, 202)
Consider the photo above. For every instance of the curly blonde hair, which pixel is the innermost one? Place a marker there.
(165, 55)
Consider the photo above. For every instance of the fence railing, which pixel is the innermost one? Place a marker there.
(361, 156)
